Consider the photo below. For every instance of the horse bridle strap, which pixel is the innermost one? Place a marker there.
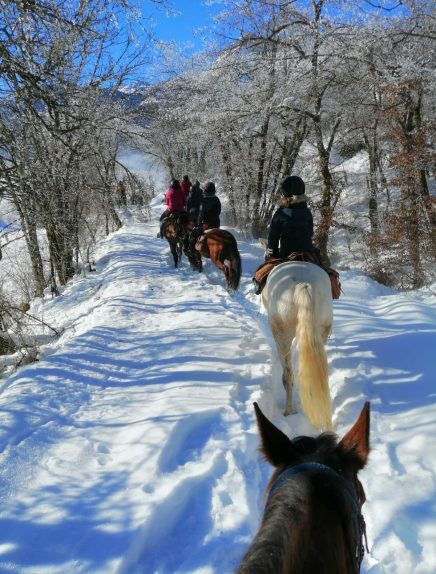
(359, 521)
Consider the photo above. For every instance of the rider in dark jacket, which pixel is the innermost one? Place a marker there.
(210, 208)
(208, 216)
(194, 200)
(291, 227)
(185, 184)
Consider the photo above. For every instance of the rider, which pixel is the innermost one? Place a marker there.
(175, 201)
(291, 230)
(210, 208)
(194, 200)
(186, 185)
(291, 227)
(208, 215)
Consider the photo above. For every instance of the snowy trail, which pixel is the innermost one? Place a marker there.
(120, 428)
(131, 447)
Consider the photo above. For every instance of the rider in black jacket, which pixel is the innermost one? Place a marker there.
(291, 227)
(210, 208)
(208, 216)
(195, 197)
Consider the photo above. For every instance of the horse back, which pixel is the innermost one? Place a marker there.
(216, 241)
(284, 278)
(280, 290)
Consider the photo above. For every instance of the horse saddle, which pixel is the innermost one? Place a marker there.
(177, 216)
(262, 272)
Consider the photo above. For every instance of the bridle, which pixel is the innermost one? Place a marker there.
(358, 520)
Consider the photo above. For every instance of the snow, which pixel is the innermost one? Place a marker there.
(131, 446)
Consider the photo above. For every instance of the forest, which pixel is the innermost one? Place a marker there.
(128, 438)
(280, 87)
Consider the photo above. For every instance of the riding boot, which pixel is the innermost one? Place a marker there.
(160, 235)
(257, 286)
(191, 246)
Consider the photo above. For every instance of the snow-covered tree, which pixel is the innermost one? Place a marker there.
(61, 64)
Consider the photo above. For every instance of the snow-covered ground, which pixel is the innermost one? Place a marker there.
(131, 446)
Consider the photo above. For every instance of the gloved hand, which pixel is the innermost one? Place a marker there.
(269, 255)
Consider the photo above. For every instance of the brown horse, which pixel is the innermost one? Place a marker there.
(221, 248)
(173, 229)
(312, 521)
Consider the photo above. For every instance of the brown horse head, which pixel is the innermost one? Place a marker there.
(312, 520)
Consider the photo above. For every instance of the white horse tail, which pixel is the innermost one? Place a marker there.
(312, 360)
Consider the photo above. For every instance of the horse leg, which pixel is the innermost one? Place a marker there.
(173, 247)
(186, 245)
(326, 329)
(227, 273)
(223, 267)
(216, 260)
(283, 340)
(195, 261)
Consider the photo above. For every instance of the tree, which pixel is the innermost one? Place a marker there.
(60, 64)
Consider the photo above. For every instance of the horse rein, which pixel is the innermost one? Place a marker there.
(358, 520)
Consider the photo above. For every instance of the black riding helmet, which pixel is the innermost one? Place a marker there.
(292, 185)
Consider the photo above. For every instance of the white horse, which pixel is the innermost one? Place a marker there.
(298, 300)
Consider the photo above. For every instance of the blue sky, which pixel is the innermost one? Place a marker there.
(180, 28)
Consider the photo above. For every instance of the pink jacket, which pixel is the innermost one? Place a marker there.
(175, 199)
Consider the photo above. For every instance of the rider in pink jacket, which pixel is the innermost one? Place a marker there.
(175, 197)
(175, 200)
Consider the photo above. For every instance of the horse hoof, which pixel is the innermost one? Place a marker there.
(288, 412)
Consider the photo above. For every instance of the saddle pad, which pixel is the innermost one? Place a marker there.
(262, 272)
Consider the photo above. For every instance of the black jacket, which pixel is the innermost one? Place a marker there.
(195, 197)
(291, 230)
(210, 210)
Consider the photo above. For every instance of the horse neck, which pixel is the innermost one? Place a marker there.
(301, 534)
(274, 547)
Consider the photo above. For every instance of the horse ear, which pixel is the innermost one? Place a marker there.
(276, 445)
(357, 438)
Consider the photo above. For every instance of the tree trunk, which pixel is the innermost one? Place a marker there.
(256, 226)
(323, 229)
(28, 226)
(371, 148)
(230, 191)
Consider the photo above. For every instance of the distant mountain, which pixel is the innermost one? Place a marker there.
(132, 95)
